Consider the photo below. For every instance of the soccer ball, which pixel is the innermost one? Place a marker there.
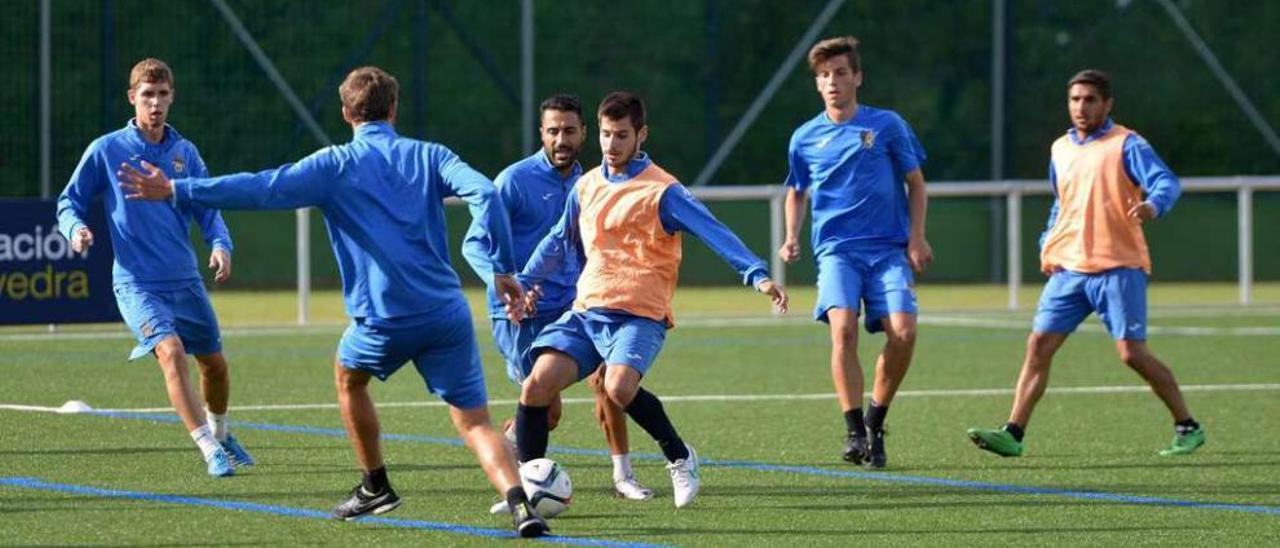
(547, 485)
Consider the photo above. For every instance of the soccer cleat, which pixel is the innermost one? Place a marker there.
(997, 441)
(1184, 443)
(239, 457)
(631, 489)
(875, 456)
(527, 522)
(855, 449)
(362, 502)
(684, 478)
(220, 464)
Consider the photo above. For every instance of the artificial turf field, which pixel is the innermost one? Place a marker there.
(769, 432)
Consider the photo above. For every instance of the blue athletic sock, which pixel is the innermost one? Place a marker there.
(647, 411)
(532, 431)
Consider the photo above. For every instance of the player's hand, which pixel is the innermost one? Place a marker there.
(511, 294)
(82, 239)
(144, 185)
(220, 262)
(919, 254)
(790, 251)
(1143, 211)
(775, 293)
(531, 298)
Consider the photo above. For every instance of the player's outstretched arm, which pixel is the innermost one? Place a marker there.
(291, 186)
(680, 210)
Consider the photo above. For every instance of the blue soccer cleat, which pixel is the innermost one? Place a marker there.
(220, 464)
(239, 457)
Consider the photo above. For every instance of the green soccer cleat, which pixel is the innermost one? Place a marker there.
(1184, 443)
(997, 441)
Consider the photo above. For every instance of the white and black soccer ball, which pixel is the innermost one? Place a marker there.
(547, 485)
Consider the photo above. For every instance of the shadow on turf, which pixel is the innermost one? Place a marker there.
(797, 535)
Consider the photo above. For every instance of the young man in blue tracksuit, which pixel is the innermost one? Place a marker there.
(382, 199)
(155, 277)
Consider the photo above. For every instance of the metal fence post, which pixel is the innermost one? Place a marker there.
(1013, 236)
(1244, 217)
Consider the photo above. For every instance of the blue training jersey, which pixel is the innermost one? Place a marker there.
(382, 199)
(678, 210)
(151, 239)
(1141, 163)
(533, 194)
(854, 173)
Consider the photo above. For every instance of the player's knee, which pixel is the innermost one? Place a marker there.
(212, 366)
(347, 381)
(1039, 347)
(904, 336)
(1135, 358)
(621, 392)
(536, 391)
(844, 336)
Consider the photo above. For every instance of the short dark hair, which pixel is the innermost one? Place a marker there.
(562, 102)
(824, 50)
(1093, 77)
(369, 93)
(623, 104)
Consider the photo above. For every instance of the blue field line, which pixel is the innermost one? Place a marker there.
(39, 484)
(766, 467)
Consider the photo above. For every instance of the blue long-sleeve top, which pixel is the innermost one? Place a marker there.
(678, 210)
(150, 239)
(1141, 163)
(382, 199)
(533, 193)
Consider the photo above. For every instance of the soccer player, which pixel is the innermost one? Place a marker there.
(382, 199)
(868, 235)
(1095, 255)
(155, 277)
(533, 192)
(623, 224)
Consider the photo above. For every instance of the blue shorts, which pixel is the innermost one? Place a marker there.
(634, 342)
(157, 314)
(514, 341)
(882, 282)
(442, 348)
(1119, 296)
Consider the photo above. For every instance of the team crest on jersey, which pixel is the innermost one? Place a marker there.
(868, 139)
(179, 166)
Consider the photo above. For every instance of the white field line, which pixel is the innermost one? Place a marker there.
(1119, 389)
(946, 320)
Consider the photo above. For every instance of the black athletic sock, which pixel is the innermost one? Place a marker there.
(875, 417)
(1187, 425)
(375, 481)
(853, 422)
(1014, 430)
(531, 431)
(516, 496)
(647, 411)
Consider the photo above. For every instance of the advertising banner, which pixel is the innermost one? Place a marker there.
(41, 279)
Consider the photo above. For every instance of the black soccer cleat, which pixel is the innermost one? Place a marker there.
(361, 503)
(876, 457)
(527, 522)
(855, 449)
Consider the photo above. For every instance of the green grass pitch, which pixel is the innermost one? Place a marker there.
(1090, 475)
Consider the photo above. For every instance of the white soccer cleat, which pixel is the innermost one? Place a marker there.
(631, 489)
(500, 508)
(684, 478)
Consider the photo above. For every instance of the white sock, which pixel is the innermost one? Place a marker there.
(218, 423)
(203, 437)
(622, 467)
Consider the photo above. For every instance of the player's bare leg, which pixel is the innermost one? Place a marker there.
(891, 368)
(374, 495)
(846, 375)
(499, 466)
(172, 357)
(1034, 376)
(215, 385)
(1188, 434)
(552, 373)
(613, 421)
(622, 384)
